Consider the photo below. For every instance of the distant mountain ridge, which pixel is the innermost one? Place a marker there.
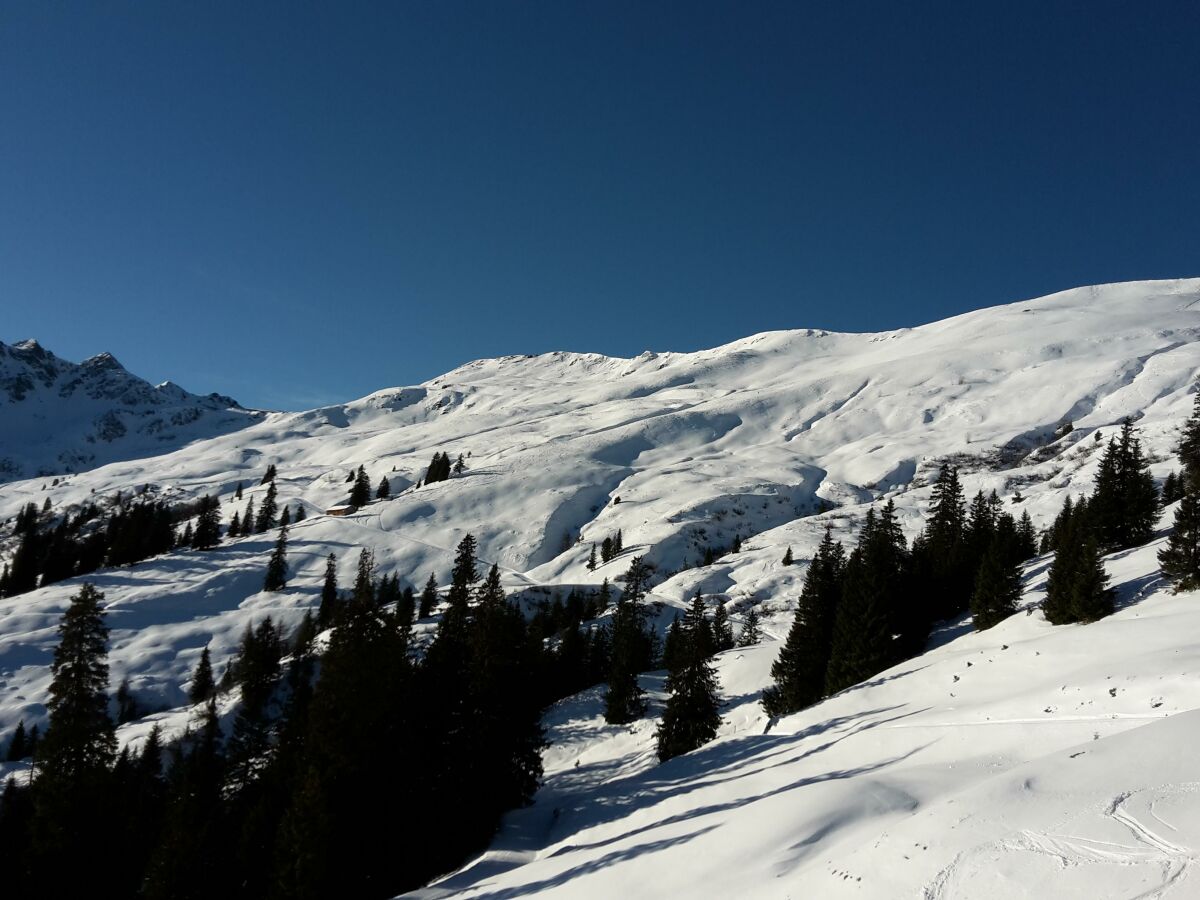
(58, 417)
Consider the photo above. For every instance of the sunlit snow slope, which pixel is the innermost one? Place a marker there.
(952, 769)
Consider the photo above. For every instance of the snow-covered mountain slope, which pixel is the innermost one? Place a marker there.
(57, 416)
(767, 439)
(1027, 761)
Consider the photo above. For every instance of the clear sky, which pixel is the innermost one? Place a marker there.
(297, 204)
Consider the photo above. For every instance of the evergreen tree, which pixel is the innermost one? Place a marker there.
(624, 701)
(941, 554)
(606, 549)
(799, 671)
(363, 592)
(300, 514)
(1170, 489)
(17, 746)
(276, 577)
(1027, 543)
(208, 523)
(235, 525)
(285, 518)
(751, 632)
(788, 558)
(1189, 450)
(269, 475)
(1091, 597)
(429, 598)
(591, 563)
(459, 465)
(997, 588)
(385, 488)
(203, 686)
(1179, 560)
(77, 751)
(462, 578)
(868, 622)
(238, 493)
(258, 673)
(618, 546)
(267, 511)
(1124, 507)
(691, 717)
(360, 493)
(673, 645)
(326, 613)
(248, 522)
(722, 630)
(128, 708)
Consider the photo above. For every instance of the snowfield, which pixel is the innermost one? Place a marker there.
(1025, 761)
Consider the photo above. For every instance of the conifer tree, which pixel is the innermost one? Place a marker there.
(1170, 489)
(997, 588)
(1124, 507)
(1091, 597)
(285, 517)
(1027, 544)
(606, 549)
(799, 671)
(673, 645)
(788, 559)
(459, 465)
(248, 523)
(462, 578)
(77, 751)
(267, 511)
(618, 544)
(591, 563)
(751, 632)
(603, 597)
(868, 622)
(1189, 450)
(208, 523)
(722, 630)
(276, 577)
(1179, 560)
(269, 475)
(326, 613)
(429, 598)
(17, 746)
(235, 525)
(363, 592)
(203, 686)
(692, 716)
(624, 701)
(385, 488)
(237, 495)
(300, 515)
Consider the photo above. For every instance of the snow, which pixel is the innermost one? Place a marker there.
(991, 766)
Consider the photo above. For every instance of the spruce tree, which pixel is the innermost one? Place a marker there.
(235, 525)
(267, 511)
(237, 495)
(363, 592)
(869, 618)
(751, 633)
(1091, 597)
(203, 686)
(269, 475)
(1189, 449)
(997, 587)
(208, 523)
(1124, 507)
(1170, 489)
(360, 493)
(429, 597)
(799, 671)
(788, 559)
(276, 577)
(248, 522)
(327, 611)
(76, 753)
(285, 517)
(300, 514)
(17, 746)
(722, 630)
(462, 578)
(1179, 560)
(624, 700)
(591, 563)
(385, 488)
(692, 716)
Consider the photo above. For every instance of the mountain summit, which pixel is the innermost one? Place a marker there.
(59, 417)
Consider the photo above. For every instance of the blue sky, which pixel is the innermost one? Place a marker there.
(297, 203)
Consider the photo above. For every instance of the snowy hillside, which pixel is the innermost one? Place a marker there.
(995, 758)
(58, 416)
